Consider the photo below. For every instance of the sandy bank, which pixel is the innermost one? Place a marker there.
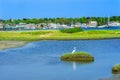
(11, 44)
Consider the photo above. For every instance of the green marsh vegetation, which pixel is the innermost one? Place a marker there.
(58, 35)
(116, 69)
(72, 30)
(78, 56)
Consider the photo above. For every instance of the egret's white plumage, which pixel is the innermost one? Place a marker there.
(74, 50)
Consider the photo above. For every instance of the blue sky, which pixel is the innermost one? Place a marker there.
(58, 8)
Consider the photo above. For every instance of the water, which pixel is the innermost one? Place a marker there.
(41, 61)
(91, 28)
(105, 28)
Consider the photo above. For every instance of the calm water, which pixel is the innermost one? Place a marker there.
(110, 28)
(41, 61)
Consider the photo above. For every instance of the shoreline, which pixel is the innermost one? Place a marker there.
(11, 44)
(12, 39)
(57, 35)
(14, 44)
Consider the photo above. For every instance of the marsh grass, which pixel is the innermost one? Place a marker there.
(58, 35)
(116, 69)
(36, 32)
(72, 30)
(78, 56)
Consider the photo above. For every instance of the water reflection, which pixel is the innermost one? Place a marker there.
(74, 66)
(114, 77)
(34, 62)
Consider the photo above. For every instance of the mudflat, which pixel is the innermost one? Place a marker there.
(11, 44)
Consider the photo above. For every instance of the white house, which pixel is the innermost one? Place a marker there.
(53, 25)
(26, 26)
(1, 25)
(64, 26)
(21, 26)
(77, 25)
(30, 26)
(113, 23)
(92, 24)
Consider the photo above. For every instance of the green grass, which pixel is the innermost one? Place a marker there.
(58, 35)
(36, 32)
(77, 56)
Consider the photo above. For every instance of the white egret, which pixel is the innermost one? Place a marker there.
(74, 50)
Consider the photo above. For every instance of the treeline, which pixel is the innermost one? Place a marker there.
(100, 20)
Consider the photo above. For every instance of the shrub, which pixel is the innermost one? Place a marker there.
(72, 30)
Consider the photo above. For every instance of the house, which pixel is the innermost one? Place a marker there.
(53, 25)
(30, 26)
(1, 25)
(77, 25)
(42, 26)
(26, 26)
(64, 26)
(84, 25)
(93, 24)
(21, 26)
(114, 23)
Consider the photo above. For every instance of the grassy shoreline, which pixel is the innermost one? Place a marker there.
(37, 35)
(57, 35)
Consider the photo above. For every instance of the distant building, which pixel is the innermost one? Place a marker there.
(26, 26)
(21, 26)
(92, 24)
(77, 25)
(53, 25)
(1, 25)
(42, 26)
(114, 23)
(30, 26)
(64, 26)
(84, 25)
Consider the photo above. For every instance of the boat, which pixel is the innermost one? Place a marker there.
(102, 26)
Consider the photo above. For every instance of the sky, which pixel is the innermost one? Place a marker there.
(17, 9)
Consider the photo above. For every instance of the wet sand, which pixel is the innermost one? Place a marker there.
(11, 44)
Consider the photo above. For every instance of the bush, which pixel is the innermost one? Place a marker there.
(72, 30)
